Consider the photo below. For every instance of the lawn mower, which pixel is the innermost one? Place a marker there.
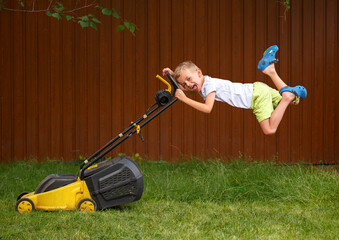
(99, 184)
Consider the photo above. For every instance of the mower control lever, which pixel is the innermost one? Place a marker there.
(141, 137)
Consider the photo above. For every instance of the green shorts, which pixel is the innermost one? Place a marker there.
(264, 100)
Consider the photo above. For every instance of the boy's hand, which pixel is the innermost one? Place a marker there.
(179, 94)
(169, 70)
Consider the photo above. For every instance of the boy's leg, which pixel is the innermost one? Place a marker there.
(278, 82)
(272, 73)
(270, 125)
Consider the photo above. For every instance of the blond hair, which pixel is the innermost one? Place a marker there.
(182, 66)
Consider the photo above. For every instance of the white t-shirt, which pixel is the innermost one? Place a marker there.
(235, 94)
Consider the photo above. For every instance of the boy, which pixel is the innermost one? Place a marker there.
(267, 104)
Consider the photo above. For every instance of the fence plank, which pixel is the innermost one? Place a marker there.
(261, 45)
(32, 88)
(105, 97)
(189, 54)
(165, 19)
(56, 89)
(213, 53)
(317, 129)
(250, 68)
(43, 87)
(331, 73)
(201, 61)
(308, 77)
(177, 57)
(152, 68)
(6, 87)
(117, 79)
(237, 73)
(19, 130)
(129, 112)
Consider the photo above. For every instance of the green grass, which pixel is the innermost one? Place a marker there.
(191, 200)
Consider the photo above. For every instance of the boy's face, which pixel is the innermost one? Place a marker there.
(191, 80)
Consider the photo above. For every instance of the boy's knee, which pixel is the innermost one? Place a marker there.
(267, 127)
(269, 131)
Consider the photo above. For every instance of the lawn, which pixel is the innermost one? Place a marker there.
(188, 200)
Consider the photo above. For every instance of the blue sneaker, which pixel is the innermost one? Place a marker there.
(268, 58)
(298, 91)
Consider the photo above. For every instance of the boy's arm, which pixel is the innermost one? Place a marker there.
(205, 107)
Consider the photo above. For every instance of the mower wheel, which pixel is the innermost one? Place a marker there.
(87, 205)
(21, 195)
(24, 205)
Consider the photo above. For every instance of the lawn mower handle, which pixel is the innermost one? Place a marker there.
(131, 129)
(174, 83)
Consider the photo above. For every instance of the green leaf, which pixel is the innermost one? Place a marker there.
(83, 24)
(94, 19)
(115, 14)
(22, 4)
(68, 17)
(120, 28)
(84, 18)
(56, 15)
(127, 24)
(92, 24)
(48, 13)
(106, 11)
(132, 28)
(60, 8)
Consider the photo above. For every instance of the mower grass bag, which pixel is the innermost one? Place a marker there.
(114, 182)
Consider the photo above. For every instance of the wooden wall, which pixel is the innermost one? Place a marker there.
(66, 91)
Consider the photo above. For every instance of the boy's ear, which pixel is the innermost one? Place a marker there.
(199, 72)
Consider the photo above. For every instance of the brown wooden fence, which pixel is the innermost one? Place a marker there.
(66, 91)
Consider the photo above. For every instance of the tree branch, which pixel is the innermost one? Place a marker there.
(50, 4)
(77, 9)
(44, 10)
(33, 5)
